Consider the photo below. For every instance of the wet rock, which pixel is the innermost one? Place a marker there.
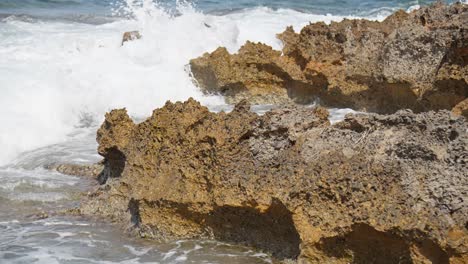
(92, 171)
(369, 189)
(130, 36)
(39, 216)
(416, 61)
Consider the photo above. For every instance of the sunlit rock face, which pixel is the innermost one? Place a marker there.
(412, 61)
(369, 189)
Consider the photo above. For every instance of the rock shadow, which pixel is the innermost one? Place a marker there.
(365, 245)
(271, 231)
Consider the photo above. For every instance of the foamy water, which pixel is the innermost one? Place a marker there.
(28, 192)
(59, 240)
(52, 73)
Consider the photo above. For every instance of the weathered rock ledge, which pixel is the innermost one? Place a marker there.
(370, 189)
(416, 61)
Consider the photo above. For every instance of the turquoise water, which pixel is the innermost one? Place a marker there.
(105, 7)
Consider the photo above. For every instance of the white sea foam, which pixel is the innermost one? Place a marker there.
(37, 185)
(39, 243)
(413, 8)
(52, 73)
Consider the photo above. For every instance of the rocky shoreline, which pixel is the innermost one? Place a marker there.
(370, 189)
(373, 188)
(416, 61)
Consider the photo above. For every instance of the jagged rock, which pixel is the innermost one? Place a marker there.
(369, 189)
(130, 36)
(417, 61)
(244, 75)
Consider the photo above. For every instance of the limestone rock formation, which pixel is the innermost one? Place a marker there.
(369, 189)
(256, 73)
(417, 61)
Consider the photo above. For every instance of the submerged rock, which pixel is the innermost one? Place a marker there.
(130, 36)
(369, 189)
(91, 170)
(417, 61)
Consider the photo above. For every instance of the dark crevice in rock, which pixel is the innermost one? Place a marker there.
(114, 165)
(134, 210)
(303, 93)
(232, 89)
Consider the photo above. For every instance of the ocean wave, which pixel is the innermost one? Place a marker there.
(214, 7)
(106, 11)
(11, 4)
(77, 18)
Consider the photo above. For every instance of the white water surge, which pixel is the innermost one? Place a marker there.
(54, 74)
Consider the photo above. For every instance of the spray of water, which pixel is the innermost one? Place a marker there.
(54, 73)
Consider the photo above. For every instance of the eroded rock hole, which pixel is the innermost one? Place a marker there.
(114, 165)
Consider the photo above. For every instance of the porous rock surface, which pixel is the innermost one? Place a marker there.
(369, 189)
(416, 61)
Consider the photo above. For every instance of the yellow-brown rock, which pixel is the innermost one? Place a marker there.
(416, 61)
(461, 109)
(251, 72)
(370, 189)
